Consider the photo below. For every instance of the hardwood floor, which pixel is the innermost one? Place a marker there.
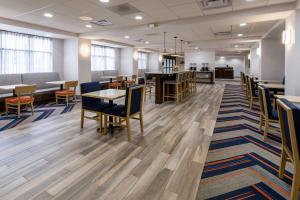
(55, 159)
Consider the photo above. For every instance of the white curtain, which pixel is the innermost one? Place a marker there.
(21, 53)
(143, 60)
(103, 58)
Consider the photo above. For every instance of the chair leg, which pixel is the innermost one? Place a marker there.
(282, 164)
(266, 128)
(56, 99)
(164, 85)
(128, 129)
(295, 185)
(6, 109)
(141, 123)
(82, 119)
(100, 122)
(105, 125)
(261, 121)
(19, 110)
(67, 99)
(32, 108)
(251, 103)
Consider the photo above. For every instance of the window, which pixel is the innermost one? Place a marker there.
(22, 53)
(143, 60)
(103, 58)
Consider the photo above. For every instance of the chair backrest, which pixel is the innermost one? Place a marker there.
(265, 101)
(71, 85)
(119, 79)
(89, 87)
(25, 90)
(242, 79)
(251, 86)
(289, 116)
(179, 77)
(134, 99)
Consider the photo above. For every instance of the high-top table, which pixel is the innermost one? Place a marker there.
(160, 77)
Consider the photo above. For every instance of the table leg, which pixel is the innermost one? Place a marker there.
(111, 127)
(61, 87)
(111, 80)
(14, 93)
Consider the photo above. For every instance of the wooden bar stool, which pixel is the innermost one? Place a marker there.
(178, 93)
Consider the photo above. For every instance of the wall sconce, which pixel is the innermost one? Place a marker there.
(160, 58)
(85, 50)
(136, 55)
(249, 57)
(287, 37)
(258, 51)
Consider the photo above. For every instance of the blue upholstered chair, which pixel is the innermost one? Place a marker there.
(132, 109)
(253, 94)
(268, 114)
(90, 104)
(289, 117)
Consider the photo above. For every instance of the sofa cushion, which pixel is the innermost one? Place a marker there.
(40, 79)
(9, 79)
(96, 76)
(110, 73)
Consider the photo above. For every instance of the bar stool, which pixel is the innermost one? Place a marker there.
(178, 88)
(149, 83)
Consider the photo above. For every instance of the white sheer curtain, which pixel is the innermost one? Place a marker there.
(21, 53)
(143, 60)
(103, 58)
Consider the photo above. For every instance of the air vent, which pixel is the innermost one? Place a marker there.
(139, 40)
(213, 4)
(102, 22)
(223, 34)
(152, 34)
(124, 9)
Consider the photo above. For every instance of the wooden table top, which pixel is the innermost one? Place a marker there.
(273, 85)
(267, 81)
(11, 87)
(293, 99)
(56, 82)
(109, 94)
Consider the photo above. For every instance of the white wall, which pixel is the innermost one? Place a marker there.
(126, 61)
(199, 58)
(58, 57)
(71, 59)
(237, 62)
(272, 59)
(255, 62)
(153, 60)
(292, 56)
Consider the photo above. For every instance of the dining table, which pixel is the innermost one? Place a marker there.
(266, 81)
(110, 95)
(109, 77)
(11, 88)
(275, 87)
(293, 99)
(59, 83)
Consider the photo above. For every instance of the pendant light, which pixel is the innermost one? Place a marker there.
(181, 54)
(175, 40)
(165, 50)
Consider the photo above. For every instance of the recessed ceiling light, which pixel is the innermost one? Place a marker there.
(250, 0)
(88, 26)
(236, 46)
(104, 1)
(171, 49)
(147, 42)
(138, 17)
(243, 24)
(240, 35)
(196, 48)
(126, 36)
(48, 35)
(85, 18)
(48, 15)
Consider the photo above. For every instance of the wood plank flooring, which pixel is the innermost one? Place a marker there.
(55, 159)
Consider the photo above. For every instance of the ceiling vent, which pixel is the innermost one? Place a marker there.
(139, 40)
(223, 34)
(124, 9)
(102, 22)
(213, 4)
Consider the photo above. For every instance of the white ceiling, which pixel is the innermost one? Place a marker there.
(183, 18)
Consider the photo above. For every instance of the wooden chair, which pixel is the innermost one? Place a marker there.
(268, 115)
(149, 86)
(253, 94)
(70, 91)
(178, 88)
(185, 81)
(243, 81)
(289, 116)
(118, 84)
(194, 81)
(133, 109)
(132, 81)
(24, 97)
(92, 105)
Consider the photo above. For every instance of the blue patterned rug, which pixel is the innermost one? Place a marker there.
(240, 164)
(41, 111)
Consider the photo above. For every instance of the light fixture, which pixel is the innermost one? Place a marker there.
(243, 24)
(181, 54)
(196, 48)
(85, 50)
(126, 36)
(88, 26)
(287, 37)
(48, 35)
(240, 35)
(136, 55)
(236, 46)
(249, 56)
(85, 18)
(175, 45)
(104, 1)
(160, 58)
(147, 42)
(48, 15)
(165, 50)
(171, 49)
(222, 57)
(138, 17)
